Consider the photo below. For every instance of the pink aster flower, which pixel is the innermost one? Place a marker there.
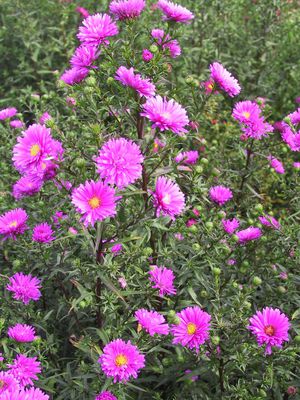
(121, 360)
(290, 138)
(178, 236)
(43, 233)
(220, 194)
(74, 75)
(224, 79)
(95, 29)
(13, 223)
(58, 217)
(16, 124)
(83, 11)
(296, 165)
(127, 9)
(230, 226)
(84, 56)
(295, 117)
(142, 85)
(25, 394)
(191, 222)
(7, 113)
(147, 55)
(24, 287)
(116, 248)
(269, 221)
(120, 162)
(283, 276)
(24, 369)
(73, 231)
(95, 201)
(297, 100)
(22, 333)
(174, 12)
(193, 329)
(166, 42)
(248, 234)
(165, 114)
(105, 396)
(187, 157)
(26, 186)
(209, 87)
(8, 384)
(168, 199)
(246, 111)
(193, 378)
(270, 327)
(122, 282)
(276, 164)
(44, 118)
(152, 322)
(257, 128)
(162, 278)
(158, 144)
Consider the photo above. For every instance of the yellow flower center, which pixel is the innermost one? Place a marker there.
(13, 224)
(166, 199)
(191, 328)
(155, 145)
(121, 360)
(246, 114)
(94, 202)
(210, 86)
(269, 330)
(34, 150)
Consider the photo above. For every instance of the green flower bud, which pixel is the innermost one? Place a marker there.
(257, 281)
(147, 251)
(199, 169)
(204, 161)
(16, 263)
(91, 81)
(80, 162)
(216, 340)
(203, 293)
(153, 48)
(281, 289)
(247, 305)
(217, 271)
(235, 238)
(110, 80)
(193, 228)
(297, 339)
(196, 247)
(259, 207)
(189, 80)
(209, 225)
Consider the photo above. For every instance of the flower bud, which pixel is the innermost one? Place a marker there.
(257, 281)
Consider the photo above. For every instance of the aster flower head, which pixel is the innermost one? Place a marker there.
(270, 326)
(174, 12)
(158, 144)
(269, 221)
(26, 186)
(95, 201)
(25, 394)
(224, 79)
(24, 287)
(105, 396)
(246, 111)
(22, 333)
(209, 87)
(95, 29)
(127, 9)
(165, 114)
(142, 85)
(121, 360)
(290, 138)
(74, 75)
(257, 128)
(220, 194)
(249, 234)
(168, 199)
(13, 223)
(296, 165)
(84, 12)
(152, 322)
(116, 248)
(120, 162)
(193, 329)
(25, 369)
(8, 384)
(230, 225)
(84, 56)
(295, 117)
(16, 124)
(187, 157)
(44, 118)
(122, 282)
(147, 55)
(162, 278)
(276, 164)
(43, 233)
(165, 41)
(7, 113)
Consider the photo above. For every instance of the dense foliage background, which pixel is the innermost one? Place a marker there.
(83, 306)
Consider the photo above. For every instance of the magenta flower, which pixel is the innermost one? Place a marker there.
(44, 118)
(58, 217)
(22, 333)
(296, 165)
(147, 55)
(270, 327)
(84, 56)
(295, 117)
(8, 384)
(73, 231)
(7, 113)
(142, 85)
(209, 87)
(291, 139)
(257, 129)
(120, 162)
(193, 329)
(24, 369)
(95, 201)
(16, 124)
(165, 42)
(74, 75)
(174, 12)
(158, 144)
(224, 79)
(230, 226)
(162, 278)
(25, 394)
(83, 11)
(26, 186)
(13, 223)
(246, 112)
(105, 396)
(269, 221)
(116, 248)
(220, 194)
(24, 287)
(168, 199)
(276, 164)
(187, 157)
(122, 282)
(127, 9)
(121, 360)
(95, 29)
(152, 322)
(165, 114)
(193, 378)
(248, 234)
(43, 233)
